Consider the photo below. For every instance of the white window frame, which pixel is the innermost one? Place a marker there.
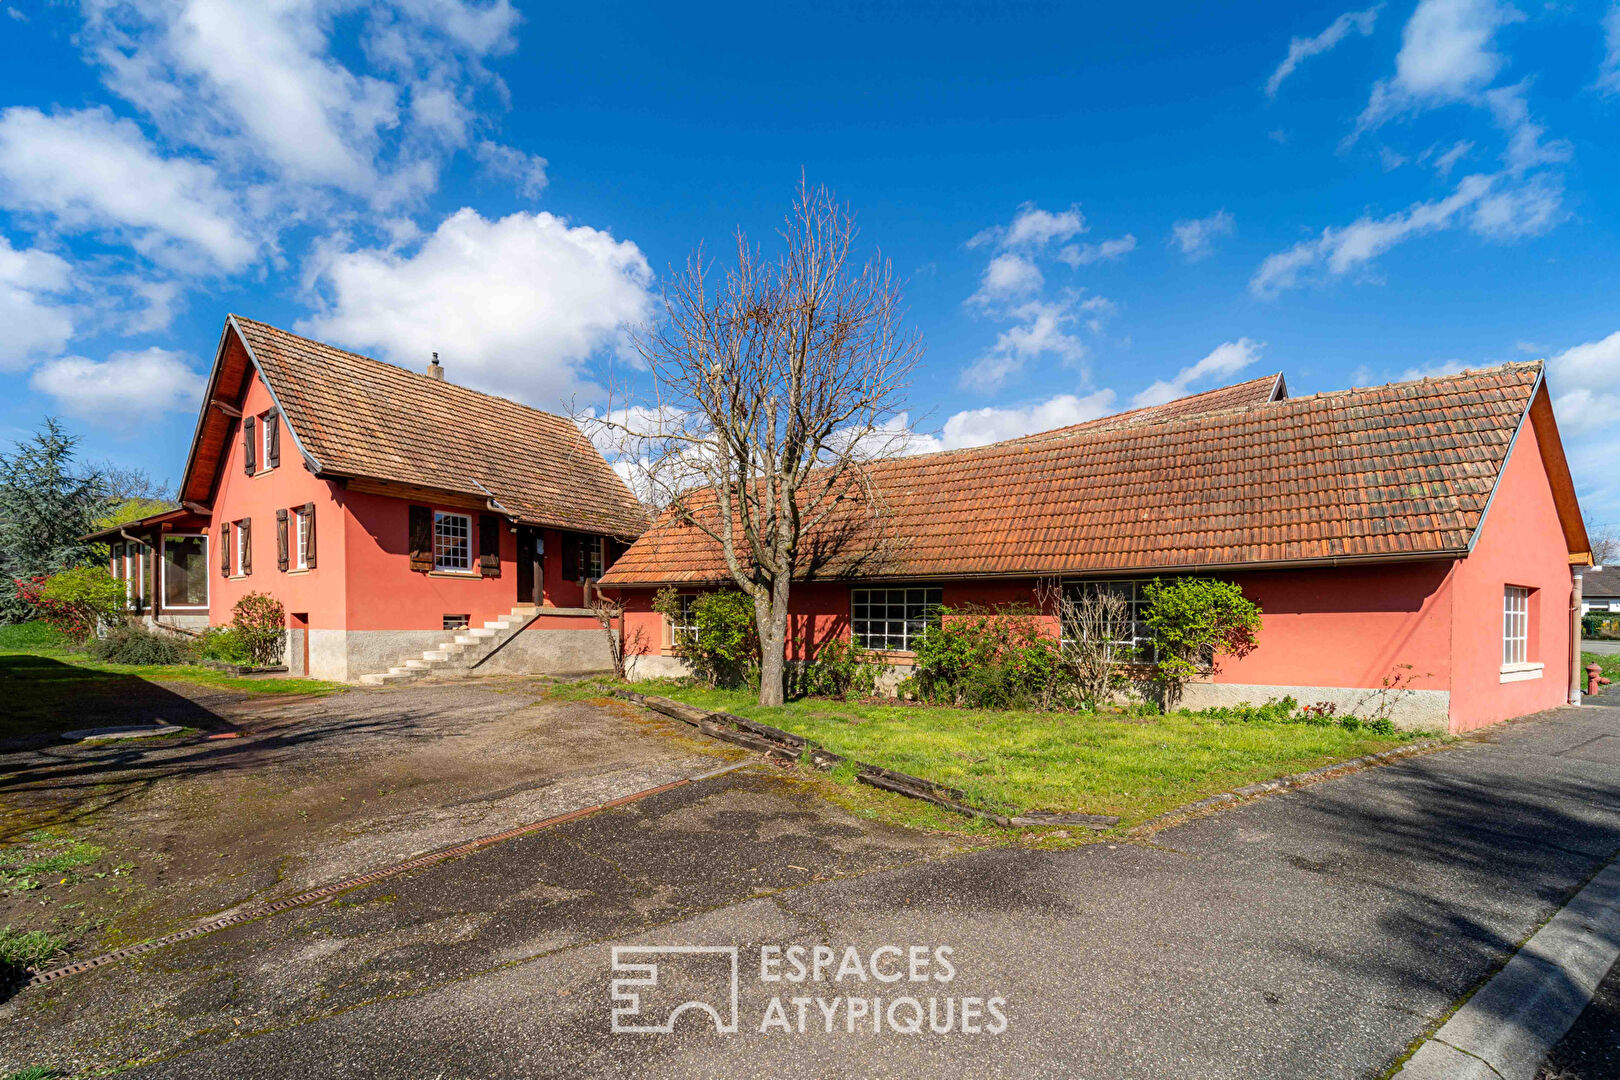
(910, 630)
(1140, 639)
(440, 549)
(684, 625)
(301, 540)
(163, 572)
(264, 441)
(239, 547)
(1516, 630)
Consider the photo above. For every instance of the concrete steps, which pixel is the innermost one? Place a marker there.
(458, 655)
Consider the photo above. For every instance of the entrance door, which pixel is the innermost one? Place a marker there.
(300, 628)
(531, 563)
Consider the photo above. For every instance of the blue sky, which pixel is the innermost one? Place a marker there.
(1092, 208)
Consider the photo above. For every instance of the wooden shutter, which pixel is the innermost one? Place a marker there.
(273, 453)
(225, 549)
(281, 540)
(309, 535)
(246, 525)
(615, 548)
(570, 556)
(248, 448)
(421, 540)
(489, 545)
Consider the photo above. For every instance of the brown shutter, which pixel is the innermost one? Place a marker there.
(246, 525)
(224, 549)
(309, 535)
(570, 556)
(489, 545)
(615, 548)
(281, 540)
(273, 418)
(421, 540)
(247, 445)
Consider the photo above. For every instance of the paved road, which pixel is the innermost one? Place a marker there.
(1313, 934)
(1604, 648)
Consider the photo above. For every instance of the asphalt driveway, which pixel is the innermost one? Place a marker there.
(1316, 933)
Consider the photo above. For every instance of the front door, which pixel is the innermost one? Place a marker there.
(531, 562)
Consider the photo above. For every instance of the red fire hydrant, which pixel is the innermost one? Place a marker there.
(1594, 678)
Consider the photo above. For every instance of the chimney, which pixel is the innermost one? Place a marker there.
(434, 371)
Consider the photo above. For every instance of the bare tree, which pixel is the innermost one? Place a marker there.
(774, 387)
(608, 611)
(1093, 623)
(1605, 540)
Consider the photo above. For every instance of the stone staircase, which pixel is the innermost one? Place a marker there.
(456, 657)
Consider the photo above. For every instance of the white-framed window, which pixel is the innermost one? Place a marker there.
(267, 423)
(590, 558)
(452, 541)
(892, 619)
(242, 541)
(1133, 635)
(184, 570)
(301, 541)
(684, 626)
(1515, 625)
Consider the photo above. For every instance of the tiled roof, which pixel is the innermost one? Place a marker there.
(1389, 471)
(1604, 582)
(360, 417)
(1259, 391)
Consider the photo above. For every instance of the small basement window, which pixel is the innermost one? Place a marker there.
(452, 541)
(456, 622)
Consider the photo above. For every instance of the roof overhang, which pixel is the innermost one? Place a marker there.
(145, 524)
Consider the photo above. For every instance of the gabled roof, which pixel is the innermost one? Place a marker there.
(1260, 391)
(352, 417)
(1603, 582)
(1388, 472)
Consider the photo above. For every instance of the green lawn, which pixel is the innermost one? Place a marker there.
(47, 687)
(1100, 763)
(1609, 662)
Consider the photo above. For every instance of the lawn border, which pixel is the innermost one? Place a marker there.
(1293, 780)
(786, 746)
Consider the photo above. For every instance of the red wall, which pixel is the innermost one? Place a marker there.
(362, 578)
(1521, 544)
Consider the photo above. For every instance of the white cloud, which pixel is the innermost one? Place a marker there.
(1609, 73)
(1225, 359)
(1434, 369)
(1042, 330)
(1501, 210)
(1302, 49)
(1525, 149)
(1390, 159)
(1196, 236)
(92, 171)
(1447, 54)
(1586, 399)
(514, 306)
(35, 324)
(122, 392)
(1008, 276)
(1033, 228)
(978, 427)
(1078, 255)
(528, 171)
(1444, 161)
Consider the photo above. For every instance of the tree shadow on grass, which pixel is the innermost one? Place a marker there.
(43, 697)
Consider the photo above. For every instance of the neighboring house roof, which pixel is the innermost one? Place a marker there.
(1266, 388)
(1604, 582)
(354, 417)
(1369, 474)
(163, 517)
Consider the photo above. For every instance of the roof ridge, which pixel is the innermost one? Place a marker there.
(441, 383)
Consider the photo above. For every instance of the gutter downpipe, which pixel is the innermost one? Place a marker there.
(1578, 573)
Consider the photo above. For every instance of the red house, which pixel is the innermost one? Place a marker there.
(1425, 531)
(407, 525)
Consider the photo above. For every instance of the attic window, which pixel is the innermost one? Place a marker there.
(267, 440)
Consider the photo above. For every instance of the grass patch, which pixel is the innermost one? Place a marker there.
(51, 688)
(1609, 662)
(44, 854)
(22, 949)
(1099, 763)
(15, 637)
(34, 1072)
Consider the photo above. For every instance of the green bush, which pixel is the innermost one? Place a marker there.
(992, 658)
(224, 643)
(1192, 622)
(261, 623)
(78, 602)
(724, 649)
(1286, 710)
(131, 643)
(838, 670)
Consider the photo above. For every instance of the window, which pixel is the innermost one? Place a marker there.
(452, 542)
(185, 571)
(456, 622)
(684, 627)
(244, 556)
(892, 618)
(301, 543)
(1133, 633)
(1515, 625)
(590, 558)
(267, 441)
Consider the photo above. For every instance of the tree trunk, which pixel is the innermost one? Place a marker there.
(773, 645)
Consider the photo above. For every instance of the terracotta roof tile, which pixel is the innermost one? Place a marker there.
(361, 417)
(1404, 469)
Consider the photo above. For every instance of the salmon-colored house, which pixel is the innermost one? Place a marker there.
(1423, 532)
(406, 525)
